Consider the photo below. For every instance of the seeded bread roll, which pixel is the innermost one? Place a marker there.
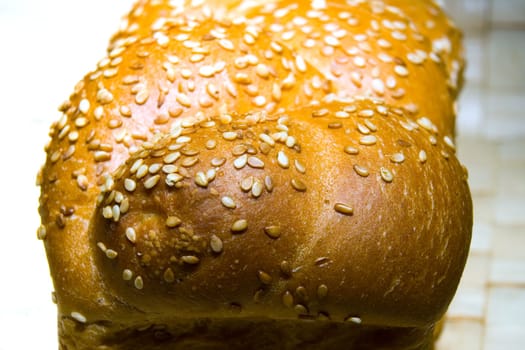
(212, 184)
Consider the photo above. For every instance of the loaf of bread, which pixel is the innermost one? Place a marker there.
(260, 175)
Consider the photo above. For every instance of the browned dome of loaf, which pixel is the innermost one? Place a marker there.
(206, 218)
(375, 49)
(393, 49)
(189, 70)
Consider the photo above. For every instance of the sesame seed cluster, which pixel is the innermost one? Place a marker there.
(263, 158)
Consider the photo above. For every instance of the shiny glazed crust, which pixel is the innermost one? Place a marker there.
(240, 166)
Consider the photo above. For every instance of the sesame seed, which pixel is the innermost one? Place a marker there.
(212, 90)
(425, 123)
(239, 150)
(353, 319)
(242, 78)
(131, 234)
(382, 110)
(264, 277)
(228, 202)
(84, 106)
(130, 185)
(104, 96)
(217, 162)
(139, 283)
(342, 115)
(151, 182)
(211, 174)
(239, 225)
(240, 162)
(173, 221)
(107, 212)
(185, 73)
(81, 122)
(268, 183)
(172, 179)
(287, 299)
(300, 167)
(290, 141)
(136, 165)
(422, 156)
(127, 275)
(300, 309)
(125, 111)
(415, 58)
(78, 317)
(361, 171)
(267, 138)
(130, 79)
(201, 179)
(73, 136)
(116, 212)
(124, 206)
(171, 157)
(216, 244)
(273, 231)
(154, 168)
(229, 135)
(351, 150)
(399, 36)
(366, 113)
(247, 183)
(283, 160)
(449, 142)
(359, 61)
(368, 140)
(82, 182)
(189, 162)
(207, 71)
(262, 70)
(331, 41)
(183, 99)
(257, 188)
(276, 47)
(300, 63)
(322, 291)
(142, 171)
(363, 129)
(190, 259)
(401, 70)
(276, 92)
(255, 162)
(371, 126)
(386, 174)
(195, 58)
(301, 293)
(397, 158)
(142, 96)
(111, 254)
(378, 86)
(259, 101)
(102, 247)
(343, 209)
(41, 232)
(298, 185)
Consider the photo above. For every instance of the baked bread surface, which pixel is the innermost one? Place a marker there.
(249, 175)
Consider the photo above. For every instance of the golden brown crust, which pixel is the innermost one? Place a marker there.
(206, 167)
(189, 253)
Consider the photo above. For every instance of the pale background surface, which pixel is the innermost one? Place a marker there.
(46, 47)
